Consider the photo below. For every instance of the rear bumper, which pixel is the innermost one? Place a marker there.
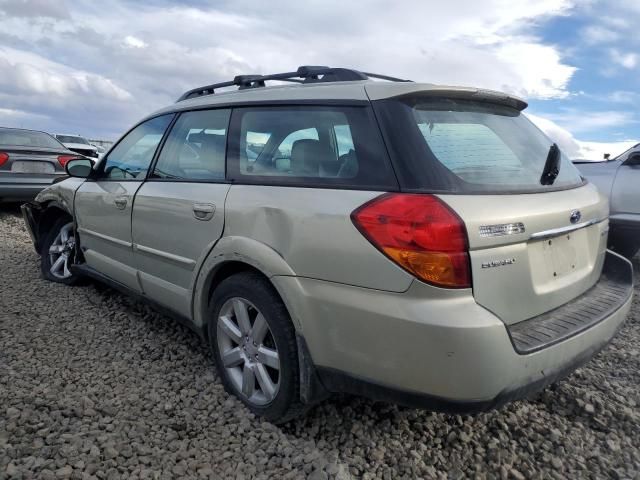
(432, 348)
(20, 187)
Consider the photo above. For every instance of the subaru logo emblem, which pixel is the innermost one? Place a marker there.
(575, 216)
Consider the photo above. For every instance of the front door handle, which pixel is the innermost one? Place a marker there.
(204, 211)
(121, 202)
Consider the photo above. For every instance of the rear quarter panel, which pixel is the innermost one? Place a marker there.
(311, 229)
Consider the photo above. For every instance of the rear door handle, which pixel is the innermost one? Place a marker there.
(204, 211)
(121, 202)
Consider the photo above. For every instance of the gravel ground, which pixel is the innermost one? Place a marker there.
(95, 385)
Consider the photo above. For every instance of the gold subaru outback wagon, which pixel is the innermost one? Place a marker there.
(349, 232)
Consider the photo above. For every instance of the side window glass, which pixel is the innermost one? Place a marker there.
(308, 145)
(195, 147)
(255, 143)
(131, 157)
(282, 156)
(344, 140)
(293, 143)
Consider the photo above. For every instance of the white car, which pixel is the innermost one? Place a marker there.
(78, 144)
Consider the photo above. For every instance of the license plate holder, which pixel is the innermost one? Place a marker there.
(32, 167)
(560, 254)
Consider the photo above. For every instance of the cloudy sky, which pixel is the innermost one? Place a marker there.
(94, 68)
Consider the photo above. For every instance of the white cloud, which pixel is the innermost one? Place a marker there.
(579, 149)
(28, 73)
(597, 34)
(622, 96)
(134, 42)
(34, 8)
(18, 117)
(145, 56)
(627, 60)
(592, 121)
(528, 57)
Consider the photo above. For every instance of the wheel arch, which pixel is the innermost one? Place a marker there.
(47, 215)
(233, 255)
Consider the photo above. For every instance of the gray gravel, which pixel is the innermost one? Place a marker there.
(94, 385)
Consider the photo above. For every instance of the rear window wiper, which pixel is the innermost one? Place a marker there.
(551, 166)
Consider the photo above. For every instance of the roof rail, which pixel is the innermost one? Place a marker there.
(304, 74)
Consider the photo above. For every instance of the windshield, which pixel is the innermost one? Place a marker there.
(71, 139)
(27, 138)
(477, 146)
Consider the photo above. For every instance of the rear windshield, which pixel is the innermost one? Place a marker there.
(72, 139)
(466, 146)
(27, 138)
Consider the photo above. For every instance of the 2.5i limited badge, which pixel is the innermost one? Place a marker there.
(498, 263)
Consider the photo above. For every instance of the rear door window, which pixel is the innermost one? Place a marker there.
(195, 147)
(308, 145)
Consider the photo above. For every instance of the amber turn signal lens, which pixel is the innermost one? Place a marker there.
(442, 269)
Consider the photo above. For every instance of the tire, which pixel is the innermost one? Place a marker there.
(247, 344)
(61, 238)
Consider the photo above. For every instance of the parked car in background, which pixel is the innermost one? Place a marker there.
(409, 242)
(100, 150)
(29, 161)
(78, 144)
(619, 179)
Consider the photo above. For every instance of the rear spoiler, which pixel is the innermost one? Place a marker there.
(379, 91)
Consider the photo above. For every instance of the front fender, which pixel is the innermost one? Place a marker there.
(60, 194)
(234, 249)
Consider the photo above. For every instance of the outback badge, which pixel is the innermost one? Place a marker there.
(499, 263)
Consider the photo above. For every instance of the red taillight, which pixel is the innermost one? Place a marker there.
(63, 159)
(421, 234)
(4, 157)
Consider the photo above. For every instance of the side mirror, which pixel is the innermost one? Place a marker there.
(79, 167)
(633, 159)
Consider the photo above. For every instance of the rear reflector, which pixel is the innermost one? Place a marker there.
(4, 157)
(63, 159)
(421, 234)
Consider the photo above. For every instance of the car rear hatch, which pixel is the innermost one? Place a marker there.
(527, 255)
(536, 230)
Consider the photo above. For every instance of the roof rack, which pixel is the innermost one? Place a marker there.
(304, 74)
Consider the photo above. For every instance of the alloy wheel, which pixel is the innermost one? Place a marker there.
(61, 252)
(248, 351)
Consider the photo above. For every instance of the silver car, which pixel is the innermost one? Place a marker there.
(29, 161)
(618, 179)
(349, 232)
